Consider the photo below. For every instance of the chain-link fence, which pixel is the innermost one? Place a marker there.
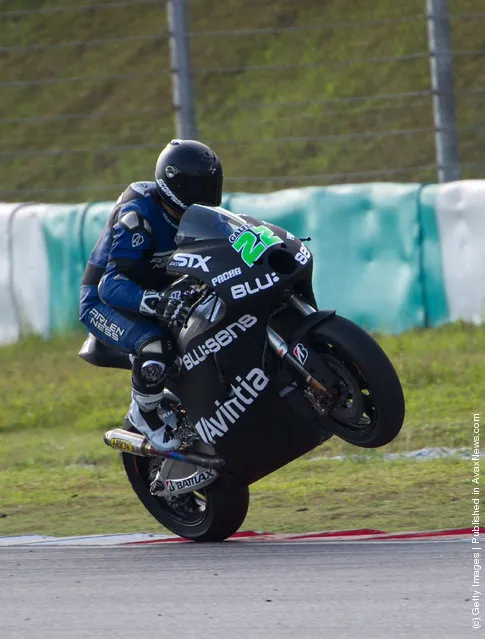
(290, 93)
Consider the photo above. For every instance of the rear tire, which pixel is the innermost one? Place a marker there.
(374, 411)
(211, 514)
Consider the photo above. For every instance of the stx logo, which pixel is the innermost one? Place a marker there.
(220, 340)
(241, 290)
(191, 260)
(227, 413)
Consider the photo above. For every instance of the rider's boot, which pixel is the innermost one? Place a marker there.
(151, 423)
(144, 413)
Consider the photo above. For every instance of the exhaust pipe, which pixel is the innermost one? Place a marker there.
(136, 444)
(128, 442)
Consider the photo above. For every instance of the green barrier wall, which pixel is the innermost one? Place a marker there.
(71, 233)
(62, 228)
(375, 246)
(434, 294)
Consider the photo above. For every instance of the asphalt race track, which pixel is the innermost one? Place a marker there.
(357, 590)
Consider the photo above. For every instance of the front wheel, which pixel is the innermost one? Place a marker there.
(367, 407)
(209, 514)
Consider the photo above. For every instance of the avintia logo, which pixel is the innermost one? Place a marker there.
(220, 340)
(258, 284)
(227, 413)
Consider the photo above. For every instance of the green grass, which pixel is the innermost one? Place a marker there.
(307, 495)
(240, 112)
(58, 477)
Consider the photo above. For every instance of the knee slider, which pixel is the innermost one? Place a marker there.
(148, 375)
(150, 366)
(153, 372)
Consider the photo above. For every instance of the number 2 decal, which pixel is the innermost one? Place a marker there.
(254, 242)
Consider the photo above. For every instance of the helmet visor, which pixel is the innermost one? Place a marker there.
(206, 190)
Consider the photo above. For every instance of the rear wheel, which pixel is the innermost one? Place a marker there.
(367, 406)
(210, 514)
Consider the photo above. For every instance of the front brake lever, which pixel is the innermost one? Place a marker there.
(198, 301)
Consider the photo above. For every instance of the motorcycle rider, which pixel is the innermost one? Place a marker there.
(127, 301)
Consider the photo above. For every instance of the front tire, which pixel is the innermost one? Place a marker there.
(210, 514)
(371, 413)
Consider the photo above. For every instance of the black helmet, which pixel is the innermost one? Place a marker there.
(188, 172)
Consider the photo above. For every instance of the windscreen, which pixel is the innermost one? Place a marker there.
(207, 223)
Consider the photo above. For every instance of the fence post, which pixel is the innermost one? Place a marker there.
(182, 92)
(446, 135)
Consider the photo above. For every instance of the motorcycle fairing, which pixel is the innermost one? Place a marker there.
(223, 381)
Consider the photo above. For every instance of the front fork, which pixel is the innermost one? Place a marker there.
(282, 349)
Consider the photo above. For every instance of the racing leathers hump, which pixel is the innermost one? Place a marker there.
(131, 254)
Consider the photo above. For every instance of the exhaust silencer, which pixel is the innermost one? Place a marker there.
(128, 442)
(136, 444)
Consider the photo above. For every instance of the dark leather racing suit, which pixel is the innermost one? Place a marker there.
(127, 264)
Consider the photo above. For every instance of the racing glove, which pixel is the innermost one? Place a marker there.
(171, 306)
(173, 312)
(150, 301)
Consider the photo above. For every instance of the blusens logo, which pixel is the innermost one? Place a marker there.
(256, 286)
(245, 393)
(220, 340)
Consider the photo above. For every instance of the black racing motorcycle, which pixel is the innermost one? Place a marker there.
(262, 376)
